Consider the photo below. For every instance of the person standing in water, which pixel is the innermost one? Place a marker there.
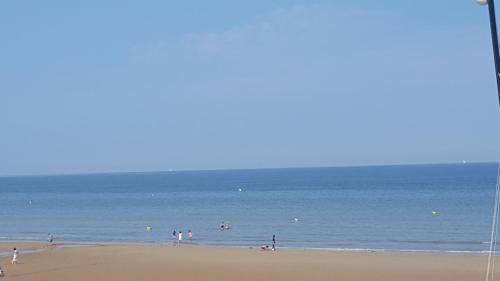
(50, 238)
(174, 237)
(15, 255)
(180, 239)
(190, 235)
(274, 242)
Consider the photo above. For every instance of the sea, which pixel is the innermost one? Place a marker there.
(429, 208)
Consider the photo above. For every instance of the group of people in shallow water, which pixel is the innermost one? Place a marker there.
(224, 226)
(177, 237)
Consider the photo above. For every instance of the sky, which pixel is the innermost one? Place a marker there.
(115, 86)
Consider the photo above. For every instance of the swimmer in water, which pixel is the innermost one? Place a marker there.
(224, 226)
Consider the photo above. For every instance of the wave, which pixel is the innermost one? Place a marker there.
(376, 250)
(476, 242)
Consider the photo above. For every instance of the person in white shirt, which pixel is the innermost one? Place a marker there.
(15, 255)
(180, 238)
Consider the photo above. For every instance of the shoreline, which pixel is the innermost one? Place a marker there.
(38, 245)
(215, 170)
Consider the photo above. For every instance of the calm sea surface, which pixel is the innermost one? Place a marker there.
(338, 208)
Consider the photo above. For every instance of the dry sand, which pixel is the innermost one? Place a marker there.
(150, 263)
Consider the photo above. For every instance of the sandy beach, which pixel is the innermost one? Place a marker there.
(152, 263)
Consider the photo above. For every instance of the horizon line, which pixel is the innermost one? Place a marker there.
(241, 169)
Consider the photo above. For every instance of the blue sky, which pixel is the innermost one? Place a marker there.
(109, 86)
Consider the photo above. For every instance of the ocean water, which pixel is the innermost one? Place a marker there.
(379, 208)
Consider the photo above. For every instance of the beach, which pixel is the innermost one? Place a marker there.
(397, 223)
(158, 262)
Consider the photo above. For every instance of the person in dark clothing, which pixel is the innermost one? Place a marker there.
(174, 237)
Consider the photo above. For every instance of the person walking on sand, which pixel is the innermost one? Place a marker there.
(15, 255)
(190, 235)
(180, 239)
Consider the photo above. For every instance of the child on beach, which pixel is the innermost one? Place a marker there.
(190, 235)
(15, 255)
(180, 239)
